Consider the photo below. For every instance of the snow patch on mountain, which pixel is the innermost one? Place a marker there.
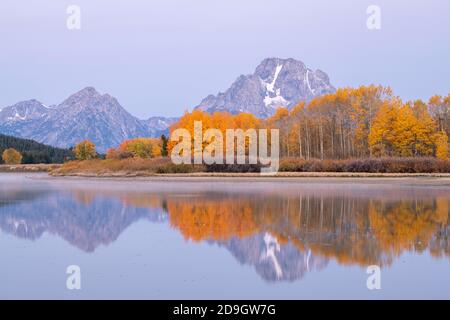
(270, 86)
(275, 83)
(272, 246)
(307, 81)
(16, 117)
(278, 100)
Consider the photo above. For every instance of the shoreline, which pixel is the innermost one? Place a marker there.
(47, 173)
(144, 175)
(211, 179)
(47, 168)
(239, 183)
(20, 168)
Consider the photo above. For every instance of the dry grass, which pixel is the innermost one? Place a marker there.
(123, 167)
(28, 167)
(132, 167)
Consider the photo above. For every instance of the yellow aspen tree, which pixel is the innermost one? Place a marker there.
(85, 150)
(439, 108)
(11, 156)
(424, 129)
(245, 121)
(280, 121)
(441, 145)
(382, 133)
(403, 132)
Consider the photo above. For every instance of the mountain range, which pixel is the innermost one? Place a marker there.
(100, 118)
(86, 114)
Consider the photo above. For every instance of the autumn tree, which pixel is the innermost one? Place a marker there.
(349, 123)
(424, 129)
(439, 108)
(402, 130)
(85, 150)
(112, 154)
(280, 121)
(334, 126)
(296, 131)
(441, 145)
(11, 156)
(142, 147)
(382, 133)
(187, 122)
(364, 104)
(218, 120)
(164, 147)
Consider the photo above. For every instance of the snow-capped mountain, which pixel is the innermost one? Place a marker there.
(275, 83)
(100, 221)
(100, 118)
(159, 125)
(87, 226)
(274, 261)
(22, 111)
(86, 114)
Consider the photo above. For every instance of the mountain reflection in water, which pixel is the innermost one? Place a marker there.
(283, 233)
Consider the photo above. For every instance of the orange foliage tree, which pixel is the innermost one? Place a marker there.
(138, 148)
(350, 123)
(85, 150)
(11, 156)
(218, 120)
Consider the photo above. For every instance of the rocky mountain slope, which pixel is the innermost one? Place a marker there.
(100, 118)
(86, 114)
(275, 83)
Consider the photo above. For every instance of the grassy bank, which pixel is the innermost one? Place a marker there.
(123, 167)
(29, 167)
(288, 167)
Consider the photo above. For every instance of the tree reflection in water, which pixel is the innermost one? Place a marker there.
(283, 235)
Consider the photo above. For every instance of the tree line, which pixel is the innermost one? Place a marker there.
(352, 123)
(31, 152)
(363, 122)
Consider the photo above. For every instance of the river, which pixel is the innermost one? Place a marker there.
(169, 238)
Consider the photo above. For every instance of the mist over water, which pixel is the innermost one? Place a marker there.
(207, 239)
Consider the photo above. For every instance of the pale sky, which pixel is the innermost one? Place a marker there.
(162, 57)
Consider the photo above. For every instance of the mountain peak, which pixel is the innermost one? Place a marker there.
(279, 61)
(23, 110)
(275, 83)
(88, 97)
(89, 91)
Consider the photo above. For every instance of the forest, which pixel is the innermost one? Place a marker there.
(363, 122)
(34, 152)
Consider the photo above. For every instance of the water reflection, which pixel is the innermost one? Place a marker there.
(283, 234)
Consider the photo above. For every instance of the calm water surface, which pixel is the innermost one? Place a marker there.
(179, 239)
